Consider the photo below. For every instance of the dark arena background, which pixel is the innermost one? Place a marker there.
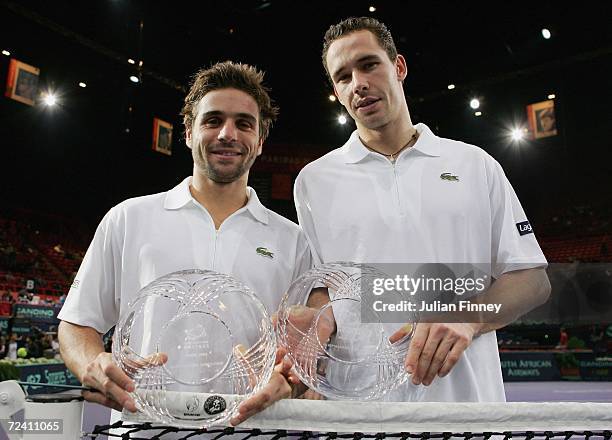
(97, 122)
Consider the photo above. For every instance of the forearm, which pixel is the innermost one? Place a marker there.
(518, 292)
(78, 346)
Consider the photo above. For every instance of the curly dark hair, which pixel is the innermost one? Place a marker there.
(238, 76)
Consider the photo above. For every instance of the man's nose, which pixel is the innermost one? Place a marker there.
(228, 132)
(360, 82)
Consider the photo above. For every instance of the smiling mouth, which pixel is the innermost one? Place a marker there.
(226, 153)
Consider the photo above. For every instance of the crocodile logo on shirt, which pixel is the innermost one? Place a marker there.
(449, 177)
(264, 252)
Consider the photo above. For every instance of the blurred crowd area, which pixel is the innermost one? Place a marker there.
(40, 255)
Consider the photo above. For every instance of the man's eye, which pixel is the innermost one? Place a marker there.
(343, 78)
(211, 122)
(370, 66)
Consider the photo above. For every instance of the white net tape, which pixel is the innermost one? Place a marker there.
(323, 416)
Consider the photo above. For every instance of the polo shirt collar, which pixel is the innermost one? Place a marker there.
(354, 150)
(179, 196)
(428, 144)
(254, 206)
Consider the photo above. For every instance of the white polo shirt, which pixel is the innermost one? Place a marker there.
(441, 201)
(143, 238)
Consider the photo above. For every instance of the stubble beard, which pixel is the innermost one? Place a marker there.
(218, 175)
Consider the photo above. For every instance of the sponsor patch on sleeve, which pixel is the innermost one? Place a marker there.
(524, 228)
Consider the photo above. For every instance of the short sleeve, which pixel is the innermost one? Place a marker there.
(514, 245)
(92, 298)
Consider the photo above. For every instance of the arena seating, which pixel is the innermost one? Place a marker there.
(48, 249)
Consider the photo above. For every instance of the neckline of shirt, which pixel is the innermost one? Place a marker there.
(179, 196)
(427, 143)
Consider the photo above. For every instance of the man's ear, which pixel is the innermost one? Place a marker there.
(188, 137)
(260, 144)
(401, 68)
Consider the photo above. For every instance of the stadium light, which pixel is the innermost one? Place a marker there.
(342, 119)
(82, 84)
(372, 9)
(546, 34)
(552, 96)
(49, 99)
(332, 98)
(6, 52)
(450, 86)
(474, 103)
(517, 134)
(477, 113)
(131, 61)
(134, 79)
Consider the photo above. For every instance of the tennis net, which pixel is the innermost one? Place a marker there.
(303, 419)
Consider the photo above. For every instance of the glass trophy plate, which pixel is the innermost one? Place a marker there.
(339, 348)
(196, 343)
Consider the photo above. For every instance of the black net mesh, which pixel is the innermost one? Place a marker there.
(149, 431)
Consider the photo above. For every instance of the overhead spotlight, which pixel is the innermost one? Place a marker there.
(450, 86)
(477, 113)
(6, 52)
(264, 5)
(140, 63)
(517, 134)
(546, 34)
(342, 119)
(552, 96)
(131, 61)
(82, 84)
(134, 79)
(49, 99)
(474, 103)
(332, 98)
(372, 9)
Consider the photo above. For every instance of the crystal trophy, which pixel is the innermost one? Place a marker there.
(339, 348)
(196, 343)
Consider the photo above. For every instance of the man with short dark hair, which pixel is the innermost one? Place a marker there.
(397, 193)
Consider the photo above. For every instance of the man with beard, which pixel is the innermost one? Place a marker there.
(211, 220)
